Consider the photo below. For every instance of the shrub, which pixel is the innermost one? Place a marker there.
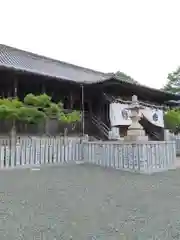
(35, 109)
(172, 120)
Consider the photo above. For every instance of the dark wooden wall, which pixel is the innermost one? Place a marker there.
(71, 93)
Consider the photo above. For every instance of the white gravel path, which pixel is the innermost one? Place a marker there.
(88, 202)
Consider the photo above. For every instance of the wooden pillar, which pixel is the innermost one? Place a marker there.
(90, 108)
(43, 89)
(71, 100)
(82, 108)
(15, 90)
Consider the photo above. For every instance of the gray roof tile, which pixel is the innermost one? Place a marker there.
(26, 61)
(17, 59)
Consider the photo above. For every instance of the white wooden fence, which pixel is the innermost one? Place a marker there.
(38, 151)
(142, 157)
(177, 140)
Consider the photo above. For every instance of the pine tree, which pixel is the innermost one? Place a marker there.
(173, 84)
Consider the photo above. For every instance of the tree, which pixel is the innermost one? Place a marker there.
(173, 83)
(52, 110)
(172, 120)
(71, 117)
(35, 109)
(125, 77)
(13, 109)
(31, 115)
(40, 101)
(9, 110)
(172, 117)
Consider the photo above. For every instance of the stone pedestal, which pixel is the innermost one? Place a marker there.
(135, 138)
(114, 134)
(135, 131)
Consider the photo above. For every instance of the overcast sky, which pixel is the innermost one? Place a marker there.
(138, 37)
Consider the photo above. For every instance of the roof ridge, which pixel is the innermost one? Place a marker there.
(53, 60)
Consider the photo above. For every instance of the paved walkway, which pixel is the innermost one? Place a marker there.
(88, 202)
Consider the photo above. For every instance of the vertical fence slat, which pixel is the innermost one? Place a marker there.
(143, 157)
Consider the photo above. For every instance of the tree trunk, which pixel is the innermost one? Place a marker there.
(47, 126)
(13, 133)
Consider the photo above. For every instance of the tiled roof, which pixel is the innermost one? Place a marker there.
(17, 59)
(26, 61)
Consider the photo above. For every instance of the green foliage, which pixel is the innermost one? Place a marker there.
(12, 102)
(125, 77)
(173, 83)
(72, 117)
(172, 120)
(53, 110)
(9, 108)
(60, 104)
(31, 115)
(40, 101)
(35, 109)
(7, 112)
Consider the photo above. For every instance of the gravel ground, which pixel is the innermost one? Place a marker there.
(88, 202)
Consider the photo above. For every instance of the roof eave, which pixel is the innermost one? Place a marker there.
(157, 91)
(20, 70)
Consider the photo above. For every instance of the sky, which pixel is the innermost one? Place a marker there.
(138, 37)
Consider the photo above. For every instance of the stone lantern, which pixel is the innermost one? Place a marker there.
(135, 131)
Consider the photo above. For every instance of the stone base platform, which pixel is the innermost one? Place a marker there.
(136, 138)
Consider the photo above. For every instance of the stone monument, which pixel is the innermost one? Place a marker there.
(135, 131)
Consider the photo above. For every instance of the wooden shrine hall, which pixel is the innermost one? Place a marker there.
(90, 91)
